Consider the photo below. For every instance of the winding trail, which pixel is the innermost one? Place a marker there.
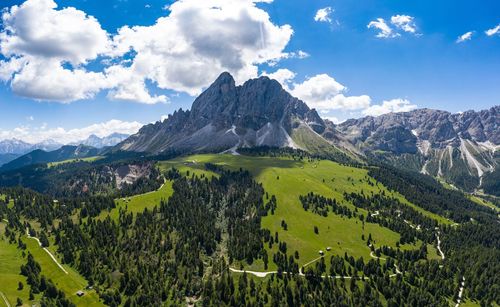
(264, 274)
(439, 246)
(5, 299)
(376, 257)
(164, 181)
(460, 292)
(46, 250)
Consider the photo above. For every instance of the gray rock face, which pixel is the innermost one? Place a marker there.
(226, 116)
(439, 128)
(459, 148)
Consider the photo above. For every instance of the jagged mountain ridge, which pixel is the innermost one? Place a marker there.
(226, 117)
(460, 148)
(100, 142)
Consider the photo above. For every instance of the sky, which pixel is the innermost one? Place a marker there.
(71, 68)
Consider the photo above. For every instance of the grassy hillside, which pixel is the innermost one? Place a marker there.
(140, 202)
(12, 258)
(288, 179)
(88, 159)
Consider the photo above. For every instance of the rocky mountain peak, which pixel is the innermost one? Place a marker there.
(258, 112)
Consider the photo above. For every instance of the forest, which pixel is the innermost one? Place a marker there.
(190, 247)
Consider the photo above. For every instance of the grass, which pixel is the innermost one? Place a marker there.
(483, 202)
(11, 259)
(10, 205)
(299, 178)
(138, 203)
(88, 159)
(69, 283)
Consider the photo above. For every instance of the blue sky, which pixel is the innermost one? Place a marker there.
(335, 62)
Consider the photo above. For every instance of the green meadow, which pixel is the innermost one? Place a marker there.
(288, 179)
(11, 259)
(138, 203)
(88, 159)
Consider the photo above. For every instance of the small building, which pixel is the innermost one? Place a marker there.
(328, 249)
(321, 253)
(80, 293)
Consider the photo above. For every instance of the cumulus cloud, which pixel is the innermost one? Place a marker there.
(493, 31)
(323, 92)
(183, 51)
(323, 15)
(186, 50)
(36, 134)
(385, 31)
(404, 22)
(39, 40)
(391, 106)
(467, 36)
(48, 80)
(36, 28)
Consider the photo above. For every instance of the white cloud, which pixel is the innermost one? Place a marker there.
(36, 134)
(323, 15)
(493, 31)
(37, 29)
(30, 118)
(404, 22)
(391, 106)
(48, 80)
(323, 92)
(38, 40)
(465, 37)
(385, 31)
(283, 76)
(183, 51)
(187, 50)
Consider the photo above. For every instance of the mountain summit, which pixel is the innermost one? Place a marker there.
(226, 117)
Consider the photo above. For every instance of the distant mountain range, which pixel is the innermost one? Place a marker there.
(459, 148)
(100, 142)
(39, 156)
(14, 148)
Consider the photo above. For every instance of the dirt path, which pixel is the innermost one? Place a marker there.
(264, 274)
(460, 292)
(375, 256)
(46, 250)
(439, 246)
(5, 299)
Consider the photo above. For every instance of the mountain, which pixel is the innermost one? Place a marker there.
(39, 156)
(7, 157)
(226, 117)
(459, 148)
(15, 146)
(100, 142)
